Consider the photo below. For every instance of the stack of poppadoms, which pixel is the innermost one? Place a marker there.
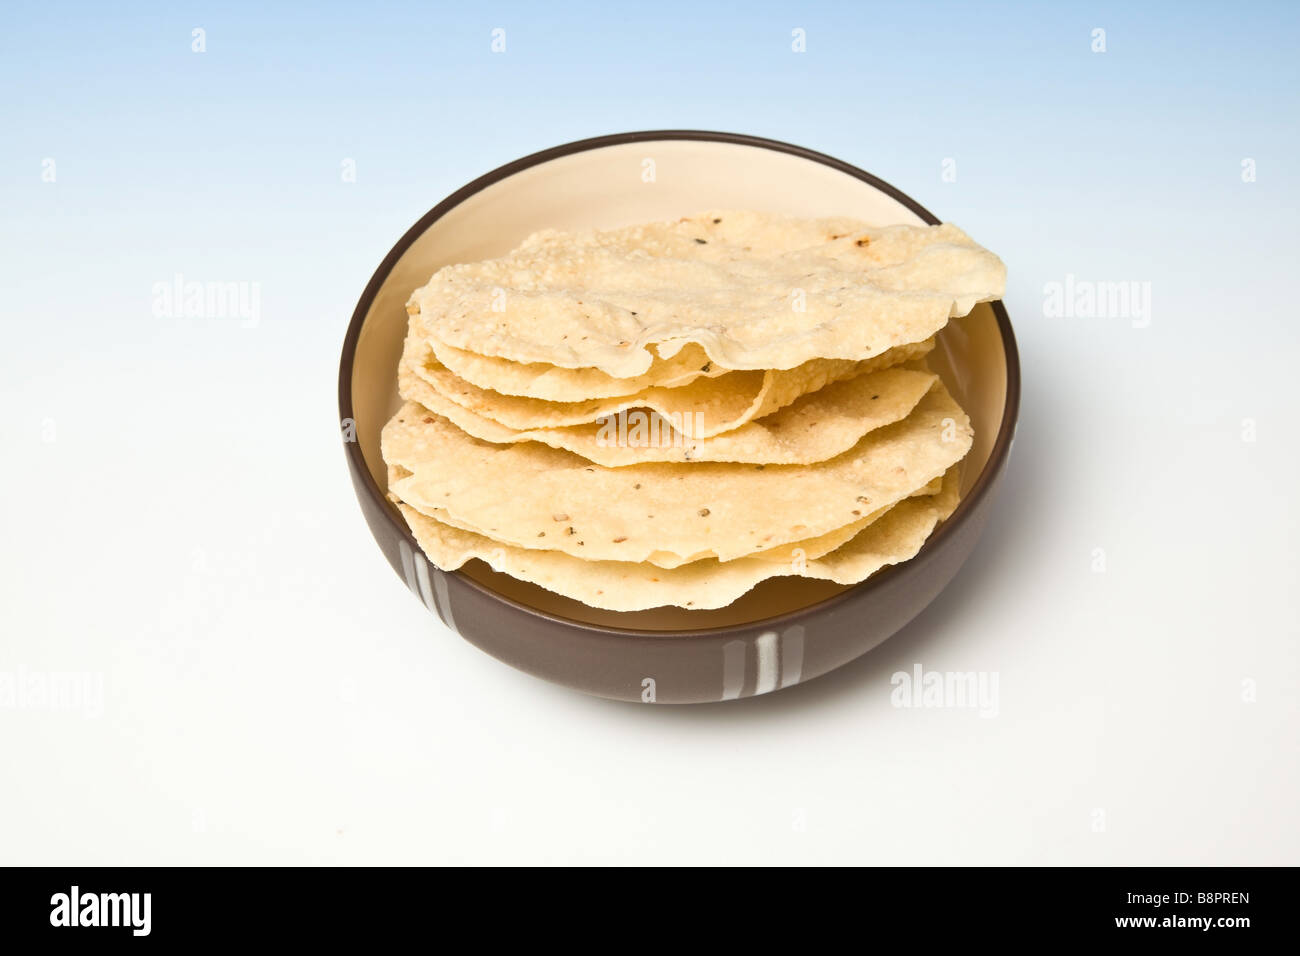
(668, 414)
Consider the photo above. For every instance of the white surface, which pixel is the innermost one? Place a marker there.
(272, 692)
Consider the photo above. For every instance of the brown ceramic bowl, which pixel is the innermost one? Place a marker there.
(786, 630)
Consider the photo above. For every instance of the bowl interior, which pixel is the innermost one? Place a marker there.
(615, 185)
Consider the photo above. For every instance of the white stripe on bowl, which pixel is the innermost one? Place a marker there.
(765, 647)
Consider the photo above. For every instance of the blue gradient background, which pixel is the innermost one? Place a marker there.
(189, 532)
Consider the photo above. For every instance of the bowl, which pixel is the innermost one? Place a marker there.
(787, 630)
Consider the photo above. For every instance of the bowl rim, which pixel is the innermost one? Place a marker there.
(983, 482)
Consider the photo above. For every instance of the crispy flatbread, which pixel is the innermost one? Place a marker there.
(754, 291)
(623, 586)
(814, 428)
(520, 493)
